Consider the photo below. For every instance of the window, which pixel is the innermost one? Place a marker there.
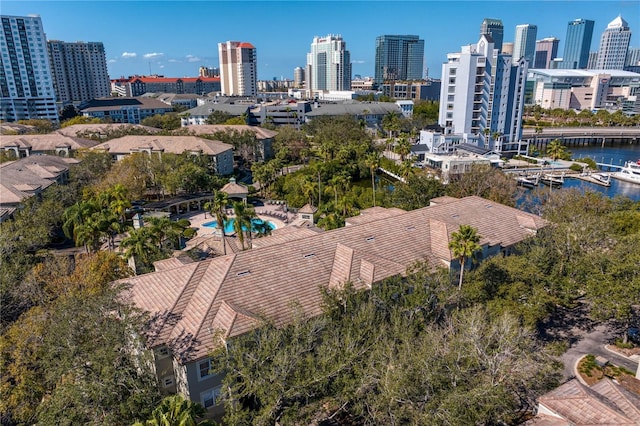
(162, 353)
(208, 398)
(168, 381)
(204, 369)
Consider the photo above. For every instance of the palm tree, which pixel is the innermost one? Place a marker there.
(164, 229)
(372, 161)
(75, 216)
(463, 245)
(556, 150)
(218, 208)
(140, 245)
(176, 411)
(406, 169)
(243, 221)
(403, 147)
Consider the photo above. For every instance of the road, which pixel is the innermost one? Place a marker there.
(593, 342)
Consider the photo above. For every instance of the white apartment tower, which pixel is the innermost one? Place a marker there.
(328, 65)
(238, 68)
(26, 83)
(482, 94)
(79, 71)
(614, 45)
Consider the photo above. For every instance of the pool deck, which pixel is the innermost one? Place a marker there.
(266, 213)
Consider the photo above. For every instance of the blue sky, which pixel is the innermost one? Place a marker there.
(175, 38)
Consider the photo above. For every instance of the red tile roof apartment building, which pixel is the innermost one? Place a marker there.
(197, 304)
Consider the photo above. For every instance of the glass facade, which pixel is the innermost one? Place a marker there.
(398, 57)
(577, 44)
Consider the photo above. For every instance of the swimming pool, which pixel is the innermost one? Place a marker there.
(228, 225)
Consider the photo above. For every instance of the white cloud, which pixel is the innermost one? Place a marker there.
(191, 58)
(129, 54)
(161, 66)
(359, 62)
(174, 61)
(153, 55)
(112, 61)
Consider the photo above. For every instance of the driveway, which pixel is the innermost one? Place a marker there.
(593, 342)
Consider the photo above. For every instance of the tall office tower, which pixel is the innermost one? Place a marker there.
(328, 64)
(495, 29)
(79, 71)
(593, 58)
(507, 48)
(26, 84)
(482, 94)
(238, 68)
(633, 57)
(209, 72)
(298, 76)
(524, 44)
(614, 45)
(577, 44)
(546, 51)
(398, 57)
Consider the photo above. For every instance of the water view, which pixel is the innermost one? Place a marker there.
(616, 155)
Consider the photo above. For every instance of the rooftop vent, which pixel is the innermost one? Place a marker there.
(489, 206)
(454, 215)
(371, 238)
(243, 273)
(308, 255)
(410, 228)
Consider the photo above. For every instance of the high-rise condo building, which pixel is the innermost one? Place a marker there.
(238, 68)
(577, 44)
(26, 83)
(546, 51)
(79, 71)
(208, 72)
(398, 57)
(482, 94)
(495, 29)
(298, 76)
(328, 64)
(524, 43)
(614, 45)
(633, 57)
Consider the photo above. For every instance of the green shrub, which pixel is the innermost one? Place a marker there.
(622, 345)
(575, 167)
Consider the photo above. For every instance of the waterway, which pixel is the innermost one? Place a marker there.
(610, 154)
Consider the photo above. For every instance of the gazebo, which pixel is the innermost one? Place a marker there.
(235, 190)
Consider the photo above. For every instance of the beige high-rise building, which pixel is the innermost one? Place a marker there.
(507, 48)
(79, 71)
(238, 68)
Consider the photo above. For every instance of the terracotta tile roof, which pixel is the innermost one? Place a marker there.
(308, 208)
(170, 263)
(371, 214)
(283, 235)
(605, 403)
(80, 130)
(169, 144)
(48, 142)
(266, 281)
(22, 178)
(209, 129)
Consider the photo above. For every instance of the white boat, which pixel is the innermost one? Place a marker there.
(527, 182)
(602, 178)
(552, 181)
(629, 173)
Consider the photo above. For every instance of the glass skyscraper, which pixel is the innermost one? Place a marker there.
(328, 64)
(577, 44)
(398, 57)
(495, 29)
(524, 44)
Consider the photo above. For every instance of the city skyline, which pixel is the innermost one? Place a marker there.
(175, 38)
